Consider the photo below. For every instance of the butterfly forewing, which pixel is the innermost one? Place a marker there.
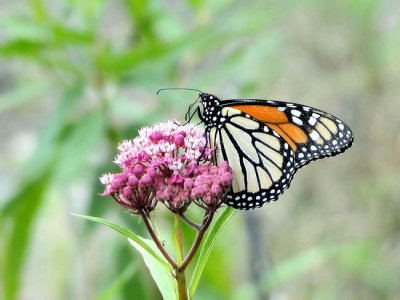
(311, 133)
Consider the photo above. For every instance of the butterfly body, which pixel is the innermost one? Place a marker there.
(266, 142)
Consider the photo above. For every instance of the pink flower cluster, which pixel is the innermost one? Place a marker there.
(167, 163)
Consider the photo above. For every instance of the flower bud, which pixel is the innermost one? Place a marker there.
(179, 140)
(188, 184)
(127, 192)
(116, 184)
(214, 170)
(152, 172)
(167, 194)
(159, 183)
(138, 170)
(160, 195)
(215, 189)
(195, 193)
(133, 180)
(208, 198)
(121, 177)
(204, 168)
(226, 178)
(156, 136)
(145, 181)
(224, 165)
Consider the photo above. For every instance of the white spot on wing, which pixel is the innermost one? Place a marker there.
(314, 135)
(295, 112)
(312, 121)
(297, 121)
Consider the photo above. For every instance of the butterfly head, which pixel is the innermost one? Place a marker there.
(208, 100)
(209, 104)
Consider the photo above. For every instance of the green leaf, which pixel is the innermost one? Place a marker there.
(177, 238)
(21, 47)
(161, 275)
(158, 266)
(114, 288)
(206, 247)
(129, 234)
(21, 222)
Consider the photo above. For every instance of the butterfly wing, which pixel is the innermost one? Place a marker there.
(262, 161)
(266, 142)
(311, 133)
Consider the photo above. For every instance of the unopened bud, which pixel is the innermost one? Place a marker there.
(188, 184)
(138, 170)
(116, 185)
(145, 180)
(127, 192)
(133, 181)
(215, 189)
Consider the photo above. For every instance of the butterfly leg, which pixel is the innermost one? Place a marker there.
(189, 117)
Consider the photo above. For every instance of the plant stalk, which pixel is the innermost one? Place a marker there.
(178, 239)
(181, 282)
(157, 241)
(206, 223)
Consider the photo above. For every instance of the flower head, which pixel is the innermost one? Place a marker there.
(169, 163)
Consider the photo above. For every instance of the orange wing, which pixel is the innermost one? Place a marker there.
(277, 121)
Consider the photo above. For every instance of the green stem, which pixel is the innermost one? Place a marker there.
(157, 241)
(178, 239)
(206, 223)
(181, 282)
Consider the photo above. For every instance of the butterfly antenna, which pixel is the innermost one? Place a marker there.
(187, 89)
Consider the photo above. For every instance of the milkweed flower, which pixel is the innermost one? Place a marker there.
(168, 163)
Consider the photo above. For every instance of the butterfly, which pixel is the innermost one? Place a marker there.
(266, 142)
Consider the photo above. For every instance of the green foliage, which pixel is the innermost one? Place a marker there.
(206, 247)
(158, 266)
(22, 219)
(140, 243)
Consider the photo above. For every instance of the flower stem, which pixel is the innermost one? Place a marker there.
(178, 239)
(157, 241)
(181, 282)
(190, 222)
(203, 228)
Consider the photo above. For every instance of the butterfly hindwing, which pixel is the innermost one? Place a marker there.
(265, 160)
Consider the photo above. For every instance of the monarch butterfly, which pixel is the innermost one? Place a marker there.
(266, 142)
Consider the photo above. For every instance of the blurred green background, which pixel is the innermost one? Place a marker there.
(77, 77)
